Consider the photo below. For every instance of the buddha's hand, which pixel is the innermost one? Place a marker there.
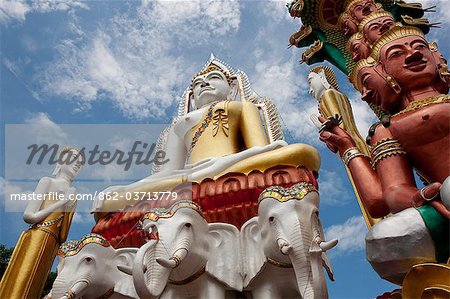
(430, 195)
(336, 139)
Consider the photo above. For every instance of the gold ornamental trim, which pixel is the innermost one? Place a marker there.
(279, 264)
(297, 192)
(189, 279)
(156, 213)
(416, 105)
(310, 52)
(72, 247)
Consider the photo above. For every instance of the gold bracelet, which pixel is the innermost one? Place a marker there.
(349, 154)
(385, 148)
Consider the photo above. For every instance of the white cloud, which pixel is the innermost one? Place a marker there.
(45, 130)
(13, 10)
(83, 218)
(130, 60)
(8, 188)
(276, 10)
(286, 84)
(16, 10)
(333, 190)
(351, 235)
(44, 6)
(442, 13)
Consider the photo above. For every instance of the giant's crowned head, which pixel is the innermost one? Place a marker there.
(211, 85)
(369, 79)
(407, 58)
(358, 47)
(359, 9)
(347, 24)
(375, 25)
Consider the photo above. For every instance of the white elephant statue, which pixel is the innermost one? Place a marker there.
(185, 256)
(88, 268)
(283, 249)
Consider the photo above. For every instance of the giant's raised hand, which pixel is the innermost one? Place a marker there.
(336, 139)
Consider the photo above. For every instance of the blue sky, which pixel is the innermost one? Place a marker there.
(128, 62)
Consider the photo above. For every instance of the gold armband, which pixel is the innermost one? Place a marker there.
(385, 148)
(349, 154)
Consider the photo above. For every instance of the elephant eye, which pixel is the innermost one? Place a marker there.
(188, 225)
(88, 259)
(271, 219)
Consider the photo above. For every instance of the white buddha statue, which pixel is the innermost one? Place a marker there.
(222, 126)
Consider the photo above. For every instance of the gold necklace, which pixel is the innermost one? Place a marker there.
(416, 105)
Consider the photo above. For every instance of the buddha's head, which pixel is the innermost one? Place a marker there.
(210, 85)
(347, 24)
(407, 59)
(369, 79)
(69, 163)
(320, 79)
(359, 9)
(358, 47)
(375, 25)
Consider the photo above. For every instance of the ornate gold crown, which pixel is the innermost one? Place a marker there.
(374, 15)
(352, 38)
(72, 247)
(329, 75)
(211, 68)
(394, 34)
(369, 62)
(157, 213)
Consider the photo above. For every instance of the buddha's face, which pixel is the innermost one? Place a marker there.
(71, 164)
(362, 9)
(375, 89)
(410, 62)
(349, 26)
(359, 50)
(377, 27)
(209, 88)
(316, 85)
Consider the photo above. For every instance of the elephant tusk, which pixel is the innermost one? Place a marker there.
(325, 246)
(167, 263)
(125, 269)
(175, 260)
(284, 246)
(76, 289)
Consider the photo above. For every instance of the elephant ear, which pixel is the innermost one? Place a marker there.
(224, 258)
(326, 262)
(124, 284)
(253, 257)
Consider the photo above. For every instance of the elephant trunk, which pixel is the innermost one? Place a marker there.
(149, 278)
(61, 289)
(301, 240)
